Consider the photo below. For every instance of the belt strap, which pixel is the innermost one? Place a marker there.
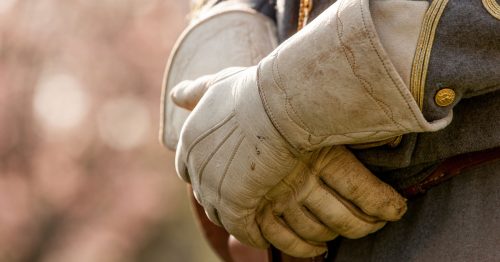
(450, 168)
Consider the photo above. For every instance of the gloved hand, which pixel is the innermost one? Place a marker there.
(324, 194)
(333, 194)
(230, 33)
(256, 126)
(229, 150)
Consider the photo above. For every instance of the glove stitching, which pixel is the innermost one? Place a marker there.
(216, 79)
(352, 63)
(219, 186)
(280, 84)
(207, 133)
(397, 87)
(284, 134)
(226, 168)
(389, 112)
(212, 154)
(219, 189)
(267, 108)
(366, 85)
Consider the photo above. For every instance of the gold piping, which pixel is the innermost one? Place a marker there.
(493, 8)
(424, 47)
(305, 8)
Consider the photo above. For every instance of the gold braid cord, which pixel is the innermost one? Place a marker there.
(305, 8)
(424, 47)
(493, 8)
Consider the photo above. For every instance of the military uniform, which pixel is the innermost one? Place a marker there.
(456, 69)
(458, 53)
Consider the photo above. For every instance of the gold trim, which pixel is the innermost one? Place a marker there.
(422, 56)
(305, 8)
(492, 7)
(424, 47)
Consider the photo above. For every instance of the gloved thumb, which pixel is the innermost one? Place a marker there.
(188, 93)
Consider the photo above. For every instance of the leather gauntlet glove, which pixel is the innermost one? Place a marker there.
(230, 152)
(332, 83)
(325, 194)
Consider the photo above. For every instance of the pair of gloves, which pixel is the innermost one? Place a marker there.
(262, 147)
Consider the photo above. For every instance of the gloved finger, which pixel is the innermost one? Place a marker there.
(285, 239)
(241, 223)
(188, 93)
(339, 214)
(351, 179)
(306, 225)
(212, 214)
(180, 165)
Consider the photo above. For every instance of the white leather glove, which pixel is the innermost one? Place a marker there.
(331, 193)
(257, 126)
(230, 151)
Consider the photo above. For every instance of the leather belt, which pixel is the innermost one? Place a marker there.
(450, 168)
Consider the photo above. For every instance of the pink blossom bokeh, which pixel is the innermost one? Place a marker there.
(82, 175)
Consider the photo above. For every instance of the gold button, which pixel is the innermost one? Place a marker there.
(445, 97)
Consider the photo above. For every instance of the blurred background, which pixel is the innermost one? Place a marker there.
(82, 175)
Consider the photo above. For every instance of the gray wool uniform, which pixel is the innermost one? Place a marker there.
(458, 220)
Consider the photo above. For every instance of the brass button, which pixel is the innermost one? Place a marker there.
(445, 97)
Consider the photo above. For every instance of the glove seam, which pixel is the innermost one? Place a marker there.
(205, 162)
(268, 110)
(397, 87)
(382, 61)
(226, 168)
(279, 84)
(208, 132)
(388, 113)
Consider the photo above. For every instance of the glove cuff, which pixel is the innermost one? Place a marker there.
(333, 83)
(227, 35)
